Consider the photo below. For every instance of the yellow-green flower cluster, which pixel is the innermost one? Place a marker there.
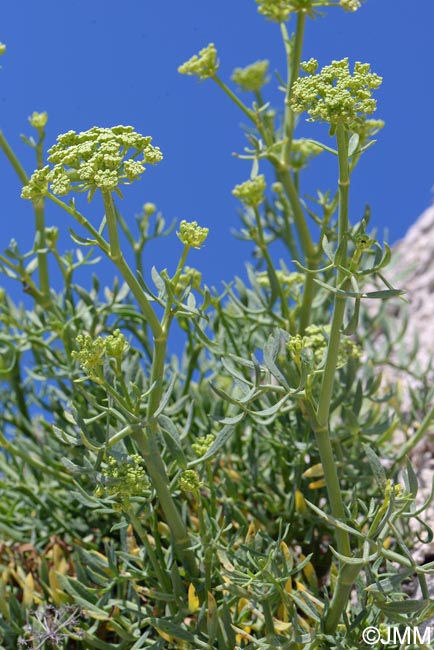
(2, 48)
(116, 345)
(38, 120)
(202, 65)
(334, 94)
(315, 339)
(252, 77)
(99, 158)
(280, 10)
(368, 128)
(189, 481)
(276, 10)
(189, 278)
(124, 479)
(302, 151)
(251, 192)
(201, 446)
(363, 242)
(191, 234)
(93, 352)
(51, 236)
(286, 280)
(351, 5)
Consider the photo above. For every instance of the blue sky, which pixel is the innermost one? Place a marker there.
(105, 63)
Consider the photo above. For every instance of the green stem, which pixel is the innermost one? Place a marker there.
(82, 221)
(148, 447)
(44, 282)
(13, 160)
(118, 259)
(322, 426)
(39, 208)
(307, 246)
(270, 267)
(250, 114)
(344, 188)
(146, 440)
(141, 532)
(293, 58)
(347, 576)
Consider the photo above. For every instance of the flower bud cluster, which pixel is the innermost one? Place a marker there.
(280, 10)
(92, 353)
(99, 158)
(363, 242)
(302, 151)
(252, 77)
(315, 339)
(201, 446)
(38, 120)
(202, 65)
(251, 192)
(351, 5)
(275, 10)
(191, 234)
(334, 95)
(123, 479)
(286, 280)
(51, 236)
(189, 277)
(189, 481)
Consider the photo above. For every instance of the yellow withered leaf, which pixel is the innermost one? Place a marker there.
(165, 636)
(310, 574)
(29, 590)
(132, 545)
(281, 626)
(242, 603)
(193, 600)
(163, 529)
(57, 556)
(315, 471)
(300, 503)
(58, 596)
(288, 586)
(282, 613)
(317, 484)
(250, 536)
(285, 550)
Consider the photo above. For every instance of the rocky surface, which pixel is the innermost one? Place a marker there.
(412, 268)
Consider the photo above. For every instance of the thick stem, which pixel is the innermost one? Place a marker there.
(293, 58)
(13, 160)
(307, 246)
(147, 439)
(39, 208)
(321, 426)
(157, 472)
(341, 595)
(117, 257)
(44, 282)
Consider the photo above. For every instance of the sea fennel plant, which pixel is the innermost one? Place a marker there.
(232, 496)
